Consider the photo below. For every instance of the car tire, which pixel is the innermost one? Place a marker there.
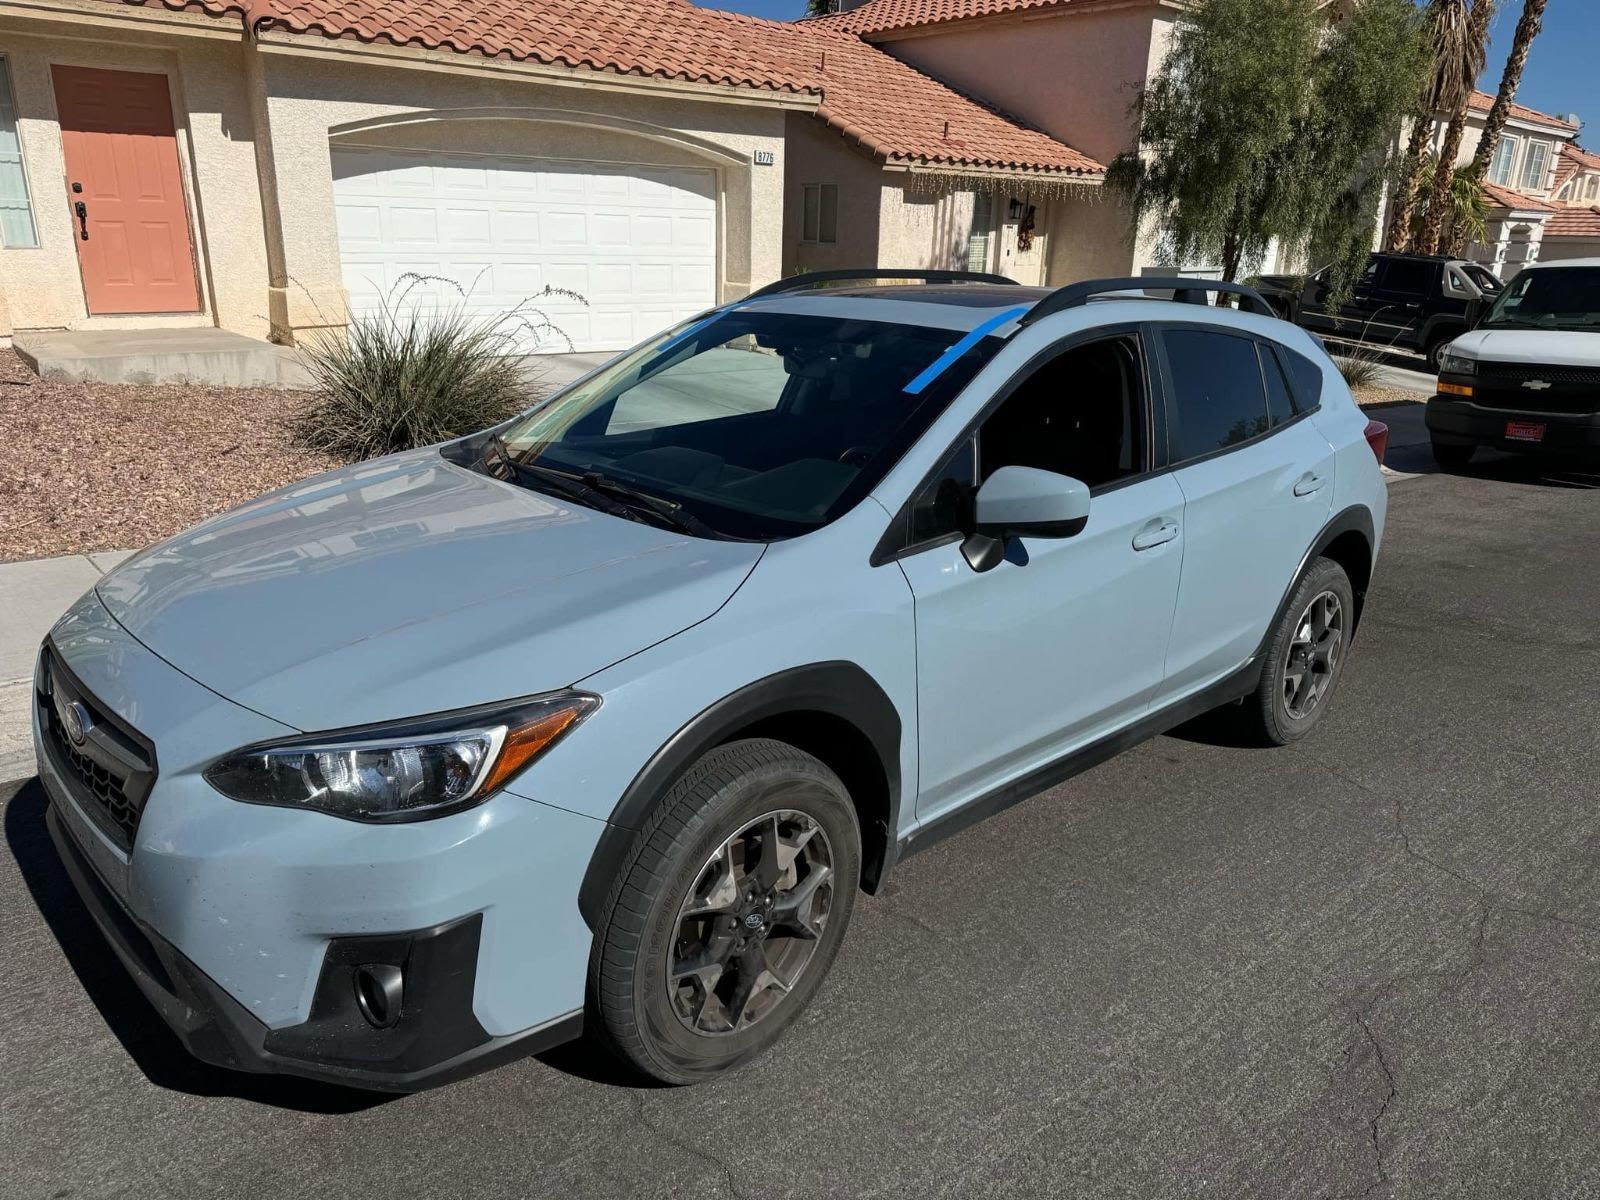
(1452, 456)
(1302, 669)
(706, 949)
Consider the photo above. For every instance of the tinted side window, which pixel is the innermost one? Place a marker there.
(1305, 379)
(1080, 414)
(1217, 391)
(1409, 278)
(1280, 406)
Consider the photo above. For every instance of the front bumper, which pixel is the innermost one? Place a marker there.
(437, 1041)
(244, 924)
(1456, 421)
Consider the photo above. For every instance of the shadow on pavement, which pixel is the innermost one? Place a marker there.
(152, 1046)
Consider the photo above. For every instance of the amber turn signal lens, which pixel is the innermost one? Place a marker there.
(527, 742)
(1454, 389)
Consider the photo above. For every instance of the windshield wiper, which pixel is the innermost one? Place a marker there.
(668, 511)
(602, 492)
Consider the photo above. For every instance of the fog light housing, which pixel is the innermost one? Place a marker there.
(380, 989)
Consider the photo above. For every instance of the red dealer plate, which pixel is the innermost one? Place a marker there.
(1524, 431)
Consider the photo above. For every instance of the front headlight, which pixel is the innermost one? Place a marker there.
(403, 771)
(1455, 364)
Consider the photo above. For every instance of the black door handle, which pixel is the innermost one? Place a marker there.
(82, 210)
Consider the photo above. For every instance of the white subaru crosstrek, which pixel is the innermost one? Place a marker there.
(600, 720)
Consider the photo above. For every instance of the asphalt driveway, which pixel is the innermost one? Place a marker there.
(1366, 966)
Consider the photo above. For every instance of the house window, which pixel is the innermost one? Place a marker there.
(1504, 155)
(1591, 190)
(16, 212)
(1533, 169)
(982, 232)
(819, 218)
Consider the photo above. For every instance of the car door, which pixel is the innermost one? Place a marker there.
(1064, 639)
(1402, 299)
(1257, 482)
(1350, 317)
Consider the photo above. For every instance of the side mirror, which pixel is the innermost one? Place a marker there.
(1024, 502)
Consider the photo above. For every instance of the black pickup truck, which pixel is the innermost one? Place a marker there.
(1405, 301)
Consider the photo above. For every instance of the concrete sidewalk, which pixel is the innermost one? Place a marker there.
(33, 595)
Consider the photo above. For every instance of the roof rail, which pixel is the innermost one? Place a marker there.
(797, 282)
(1184, 291)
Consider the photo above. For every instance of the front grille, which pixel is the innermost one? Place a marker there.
(1567, 391)
(109, 768)
(1517, 374)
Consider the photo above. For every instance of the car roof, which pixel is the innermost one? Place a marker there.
(955, 306)
(1557, 263)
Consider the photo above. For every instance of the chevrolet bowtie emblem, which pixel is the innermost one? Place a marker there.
(1537, 385)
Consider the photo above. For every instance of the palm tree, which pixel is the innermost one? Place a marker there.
(1466, 211)
(1449, 82)
(1528, 26)
(1475, 53)
(821, 8)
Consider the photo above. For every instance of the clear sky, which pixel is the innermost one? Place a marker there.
(1561, 74)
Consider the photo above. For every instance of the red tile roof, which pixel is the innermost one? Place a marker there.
(1483, 102)
(1574, 223)
(1504, 197)
(885, 105)
(1579, 157)
(883, 16)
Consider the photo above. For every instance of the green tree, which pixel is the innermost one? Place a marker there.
(821, 8)
(1444, 88)
(1267, 123)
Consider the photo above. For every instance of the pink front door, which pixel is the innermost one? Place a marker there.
(129, 217)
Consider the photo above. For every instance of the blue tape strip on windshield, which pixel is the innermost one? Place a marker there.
(948, 359)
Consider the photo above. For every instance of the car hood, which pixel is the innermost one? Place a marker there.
(1540, 347)
(409, 585)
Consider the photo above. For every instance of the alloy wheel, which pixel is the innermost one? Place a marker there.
(1313, 655)
(750, 923)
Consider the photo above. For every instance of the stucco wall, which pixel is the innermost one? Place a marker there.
(819, 154)
(216, 153)
(310, 101)
(1564, 248)
(1073, 75)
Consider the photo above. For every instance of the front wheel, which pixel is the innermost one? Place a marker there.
(1305, 658)
(728, 912)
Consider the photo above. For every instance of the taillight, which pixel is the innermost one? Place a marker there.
(1377, 435)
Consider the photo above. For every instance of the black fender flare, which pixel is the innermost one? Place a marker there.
(1448, 323)
(836, 689)
(1355, 519)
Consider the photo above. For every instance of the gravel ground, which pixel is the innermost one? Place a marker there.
(89, 466)
(1367, 397)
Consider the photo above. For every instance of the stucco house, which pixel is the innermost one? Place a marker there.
(1529, 185)
(269, 166)
(1071, 68)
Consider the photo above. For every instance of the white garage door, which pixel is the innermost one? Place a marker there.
(637, 243)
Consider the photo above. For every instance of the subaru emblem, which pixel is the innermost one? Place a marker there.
(75, 720)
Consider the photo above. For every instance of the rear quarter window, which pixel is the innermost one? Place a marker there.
(1218, 391)
(1305, 379)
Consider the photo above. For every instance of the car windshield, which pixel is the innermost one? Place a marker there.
(754, 425)
(1549, 298)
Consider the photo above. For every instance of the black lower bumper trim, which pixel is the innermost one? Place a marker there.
(437, 1039)
(1463, 423)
